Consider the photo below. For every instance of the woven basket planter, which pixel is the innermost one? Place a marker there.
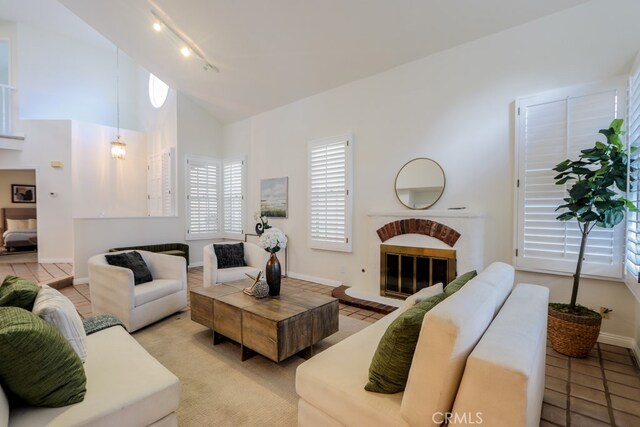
(573, 335)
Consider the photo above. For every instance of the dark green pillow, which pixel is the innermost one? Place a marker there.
(134, 262)
(18, 292)
(39, 366)
(391, 362)
(455, 285)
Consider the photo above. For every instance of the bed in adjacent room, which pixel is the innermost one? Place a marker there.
(19, 229)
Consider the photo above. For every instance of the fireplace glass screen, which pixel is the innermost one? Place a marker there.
(406, 270)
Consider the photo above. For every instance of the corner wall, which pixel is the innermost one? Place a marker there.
(455, 107)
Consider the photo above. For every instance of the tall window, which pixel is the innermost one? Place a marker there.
(552, 127)
(233, 200)
(330, 195)
(633, 218)
(202, 198)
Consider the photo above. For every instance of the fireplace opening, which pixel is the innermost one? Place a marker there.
(405, 270)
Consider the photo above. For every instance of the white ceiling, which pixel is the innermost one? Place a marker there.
(273, 52)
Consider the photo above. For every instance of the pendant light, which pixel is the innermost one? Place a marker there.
(118, 147)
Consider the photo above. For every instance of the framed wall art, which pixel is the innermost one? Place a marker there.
(273, 197)
(21, 193)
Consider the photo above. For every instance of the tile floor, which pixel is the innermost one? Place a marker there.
(600, 390)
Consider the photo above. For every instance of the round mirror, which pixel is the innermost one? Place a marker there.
(420, 183)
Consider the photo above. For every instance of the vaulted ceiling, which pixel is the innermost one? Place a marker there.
(273, 52)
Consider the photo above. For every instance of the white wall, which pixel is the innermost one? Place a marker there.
(455, 107)
(59, 77)
(48, 141)
(103, 186)
(196, 133)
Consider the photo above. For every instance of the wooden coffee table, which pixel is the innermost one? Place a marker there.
(276, 327)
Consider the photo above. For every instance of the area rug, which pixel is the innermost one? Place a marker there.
(216, 387)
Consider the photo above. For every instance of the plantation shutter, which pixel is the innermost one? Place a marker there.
(329, 194)
(160, 172)
(202, 198)
(232, 178)
(633, 218)
(551, 128)
(154, 186)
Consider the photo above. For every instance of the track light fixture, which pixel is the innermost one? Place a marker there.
(187, 48)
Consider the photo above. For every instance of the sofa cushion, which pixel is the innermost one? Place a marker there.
(18, 292)
(508, 364)
(38, 365)
(134, 262)
(125, 386)
(421, 295)
(56, 309)
(151, 291)
(500, 276)
(457, 283)
(227, 275)
(230, 255)
(332, 381)
(173, 252)
(392, 360)
(449, 333)
(4, 408)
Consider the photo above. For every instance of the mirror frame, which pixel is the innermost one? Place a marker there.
(444, 183)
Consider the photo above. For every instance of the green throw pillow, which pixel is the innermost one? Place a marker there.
(391, 362)
(455, 285)
(39, 367)
(18, 292)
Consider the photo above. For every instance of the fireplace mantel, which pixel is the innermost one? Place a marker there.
(426, 213)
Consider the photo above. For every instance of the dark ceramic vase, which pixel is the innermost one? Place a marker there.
(273, 273)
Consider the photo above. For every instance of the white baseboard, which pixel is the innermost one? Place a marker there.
(196, 264)
(81, 281)
(321, 280)
(55, 261)
(618, 340)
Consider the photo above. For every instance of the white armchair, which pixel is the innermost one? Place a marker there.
(113, 291)
(254, 256)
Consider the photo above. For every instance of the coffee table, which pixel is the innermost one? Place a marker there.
(275, 327)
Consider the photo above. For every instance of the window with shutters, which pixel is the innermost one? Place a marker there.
(633, 218)
(202, 191)
(233, 200)
(330, 193)
(160, 184)
(552, 127)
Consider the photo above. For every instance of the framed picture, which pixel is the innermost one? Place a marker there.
(21, 193)
(273, 197)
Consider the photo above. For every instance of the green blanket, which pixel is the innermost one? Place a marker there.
(100, 322)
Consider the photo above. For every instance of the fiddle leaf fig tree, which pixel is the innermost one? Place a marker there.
(596, 195)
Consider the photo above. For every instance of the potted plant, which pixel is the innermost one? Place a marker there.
(593, 201)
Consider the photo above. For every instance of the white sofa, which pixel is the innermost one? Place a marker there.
(126, 387)
(467, 364)
(113, 291)
(254, 256)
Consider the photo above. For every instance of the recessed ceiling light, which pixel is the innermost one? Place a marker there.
(185, 51)
(157, 26)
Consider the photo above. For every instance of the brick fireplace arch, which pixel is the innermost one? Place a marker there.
(419, 226)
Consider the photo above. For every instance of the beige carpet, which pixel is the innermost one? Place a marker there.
(217, 389)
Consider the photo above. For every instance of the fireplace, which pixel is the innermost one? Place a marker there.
(405, 270)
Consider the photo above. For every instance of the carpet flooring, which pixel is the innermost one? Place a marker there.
(217, 388)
